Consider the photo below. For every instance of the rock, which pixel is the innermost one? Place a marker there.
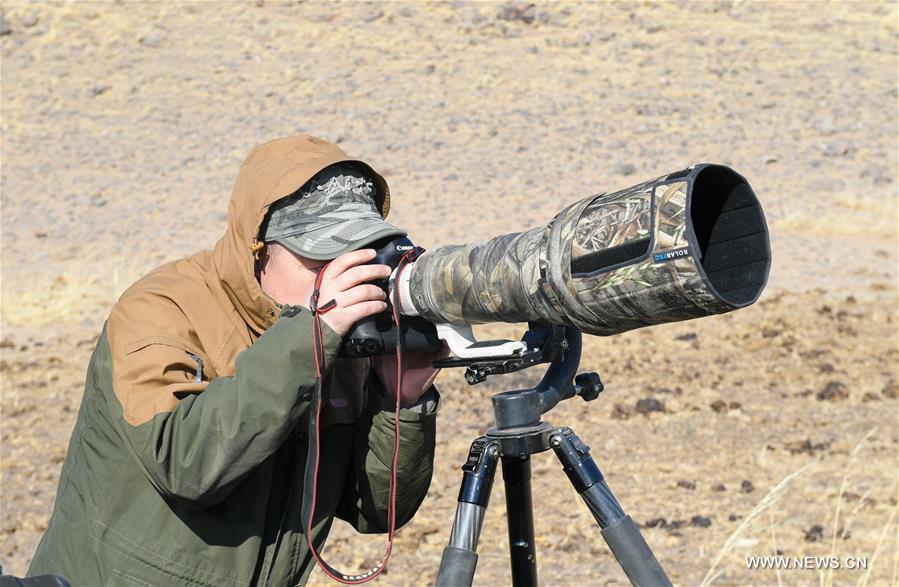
(826, 126)
(624, 169)
(656, 523)
(768, 332)
(152, 39)
(5, 29)
(718, 406)
(620, 412)
(834, 391)
(99, 89)
(890, 390)
(649, 404)
(7, 343)
(806, 446)
(747, 486)
(30, 19)
(517, 11)
(719, 487)
(836, 149)
(814, 534)
(700, 521)
(686, 336)
(373, 15)
(686, 484)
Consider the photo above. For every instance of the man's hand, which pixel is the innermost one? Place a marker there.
(418, 373)
(344, 282)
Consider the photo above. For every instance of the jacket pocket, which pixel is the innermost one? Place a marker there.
(195, 355)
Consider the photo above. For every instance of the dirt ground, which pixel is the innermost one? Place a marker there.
(123, 125)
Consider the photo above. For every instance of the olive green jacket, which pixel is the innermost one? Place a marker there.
(210, 494)
(187, 459)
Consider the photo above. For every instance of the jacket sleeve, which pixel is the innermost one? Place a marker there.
(197, 440)
(365, 497)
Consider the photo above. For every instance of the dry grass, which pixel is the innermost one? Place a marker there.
(881, 225)
(826, 576)
(863, 582)
(67, 297)
(762, 506)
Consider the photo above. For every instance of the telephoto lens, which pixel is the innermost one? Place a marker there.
(685, 245)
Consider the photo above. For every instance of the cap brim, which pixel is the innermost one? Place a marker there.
(330, 242)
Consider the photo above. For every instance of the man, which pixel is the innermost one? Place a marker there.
(186, 464)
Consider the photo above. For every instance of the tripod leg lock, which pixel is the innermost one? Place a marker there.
(576, 460)
(478, 472)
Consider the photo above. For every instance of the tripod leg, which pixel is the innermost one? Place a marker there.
(618, 529)
(460, 556)
(520, 514)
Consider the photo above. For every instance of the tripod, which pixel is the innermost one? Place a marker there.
(520, 433)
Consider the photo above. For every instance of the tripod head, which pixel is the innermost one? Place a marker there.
(560, 346)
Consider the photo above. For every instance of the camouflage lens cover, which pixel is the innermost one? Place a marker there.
(612, 262)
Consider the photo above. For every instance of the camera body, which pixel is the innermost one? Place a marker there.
(377, 335)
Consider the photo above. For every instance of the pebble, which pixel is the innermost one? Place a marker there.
(152, 39)
(5, 29)
(624, 169)
(373, 15)
(814, 534)
(31, 19)
(836, 149)
(517, 11)
(834, 391)
(648, 405)
(700, 521)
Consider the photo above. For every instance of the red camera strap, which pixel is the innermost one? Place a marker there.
(310, 484)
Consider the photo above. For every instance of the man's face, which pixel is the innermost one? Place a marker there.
(285, 276)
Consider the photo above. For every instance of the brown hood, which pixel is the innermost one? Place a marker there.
(270, 172)
(210, 306)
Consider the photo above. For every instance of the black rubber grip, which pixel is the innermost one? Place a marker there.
(456, 567)
(633, 554)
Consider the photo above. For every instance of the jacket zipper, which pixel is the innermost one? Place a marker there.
(199, 360)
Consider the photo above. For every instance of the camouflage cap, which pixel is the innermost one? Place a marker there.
(331, 214)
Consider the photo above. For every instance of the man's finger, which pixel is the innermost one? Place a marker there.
(365, 309)
(360, 274)
(347, 260)
(361, 293)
